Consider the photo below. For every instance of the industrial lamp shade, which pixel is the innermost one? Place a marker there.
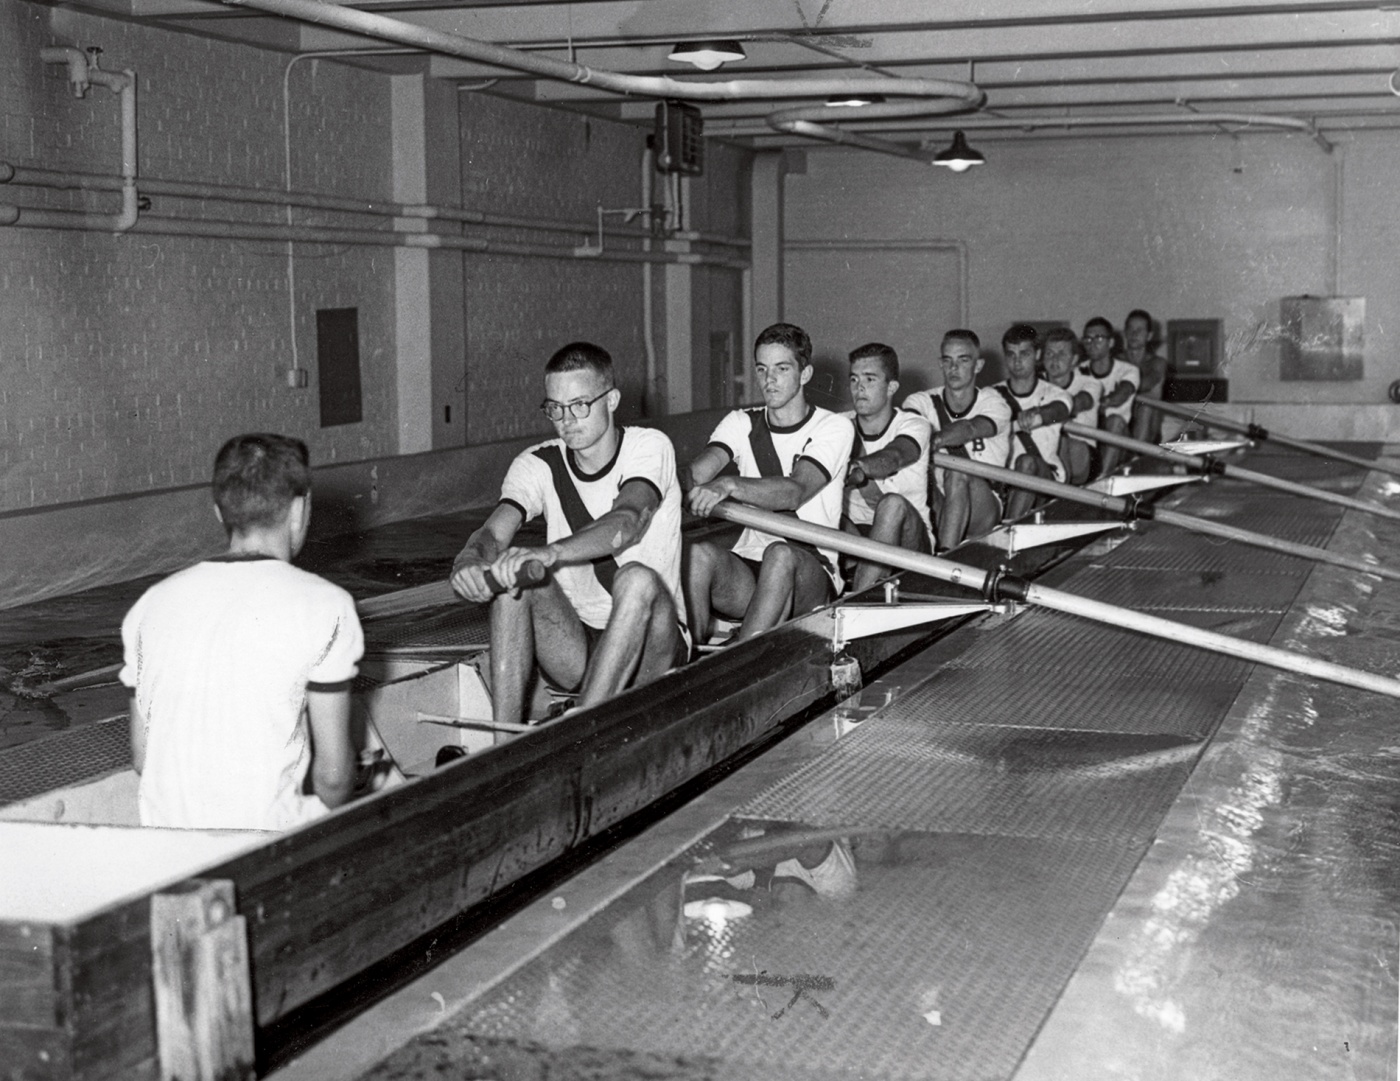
(959, 157)
(707, 55)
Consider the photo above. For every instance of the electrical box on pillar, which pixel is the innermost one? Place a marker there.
(679, 139)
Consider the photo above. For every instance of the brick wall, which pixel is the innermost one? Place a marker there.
(126, 360)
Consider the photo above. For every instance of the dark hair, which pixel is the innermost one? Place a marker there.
(1138, 313)
(962, 335)
(581, 357)
(888, 358)
(794, 337)
(1020, 332)
(1099, 321)
(256, 477)
(1063, 334)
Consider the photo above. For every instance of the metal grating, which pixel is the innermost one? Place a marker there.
(1041, 641)
(1205, 591)
(1144, 703)
(940, 968)
(65, 758)
(454, 626)
(968, 778)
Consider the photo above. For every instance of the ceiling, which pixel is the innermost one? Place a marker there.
(1044, 66)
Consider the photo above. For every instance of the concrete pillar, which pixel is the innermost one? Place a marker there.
(769, 174)
(429, 330)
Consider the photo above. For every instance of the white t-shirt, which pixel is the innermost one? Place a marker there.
(219, 657)
(1046, 439)
(1082, 382)
(995, 450)
(823, 438)
(643, 454)
(1121, 372)
(911, 482)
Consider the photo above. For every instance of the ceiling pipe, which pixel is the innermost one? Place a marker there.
(83, 72)
(947, 95)
(815, 123)
(1253, 120)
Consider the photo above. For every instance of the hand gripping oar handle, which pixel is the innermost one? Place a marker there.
(1131, 508)
(435, 594)
(531, 573)
(997, 586)
(1212, 465)
(1254, 431)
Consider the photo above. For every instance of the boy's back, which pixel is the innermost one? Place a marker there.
(219, 657)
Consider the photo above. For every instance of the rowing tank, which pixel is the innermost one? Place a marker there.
(88, 894)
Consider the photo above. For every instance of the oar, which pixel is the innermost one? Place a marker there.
(1254, 431)
(1131, 508)
(1214, 465)
(434, 594)
(997, 586)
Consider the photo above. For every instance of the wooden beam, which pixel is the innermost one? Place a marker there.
(199, 968)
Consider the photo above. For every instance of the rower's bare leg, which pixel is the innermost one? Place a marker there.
(956, 513)
(897, 523)
(789, 580)
(1075, 454)
(541, 622)
(986, 508)
(640, 639)
(1019, 502)
(716, 580)
(1147, 423)
(1111, 456)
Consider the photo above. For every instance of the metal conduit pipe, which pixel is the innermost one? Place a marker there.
(82, 73)
(814, 122)
(30, 176)
(1095, 120)
(946, 95)
(235, 230)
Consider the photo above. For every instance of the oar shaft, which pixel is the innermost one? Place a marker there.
(1311, 552)
(1254, 652)
(1118, 505)
(1264, 480)
(1254, 431)
(1114, 504)
(407, 600)
(973, 578)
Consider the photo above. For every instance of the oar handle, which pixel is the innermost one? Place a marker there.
(531, 573)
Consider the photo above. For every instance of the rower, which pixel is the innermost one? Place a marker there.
(240, 666)
(1060, 356)
(790, 456)
(1120, 383)
(1152, 374)
(1038, 408)
(887, 479)
(610, 616)
(970, 422)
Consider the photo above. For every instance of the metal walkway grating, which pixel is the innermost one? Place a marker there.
(455, 626)
(65, 758)
(643, 991)
(967, 778)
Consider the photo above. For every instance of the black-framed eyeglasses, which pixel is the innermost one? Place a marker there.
(556, 410)
(1096, 337)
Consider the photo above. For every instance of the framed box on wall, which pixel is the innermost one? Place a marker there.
(1323, 338)
(1195, 347)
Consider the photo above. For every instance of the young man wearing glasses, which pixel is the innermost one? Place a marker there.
(1120, 383)
(610, 615)
(790, 456)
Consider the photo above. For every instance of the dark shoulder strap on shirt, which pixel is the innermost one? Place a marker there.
(765, 454)
(944, 419)
(575, 513)
(1024, 438)
(858, 443)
